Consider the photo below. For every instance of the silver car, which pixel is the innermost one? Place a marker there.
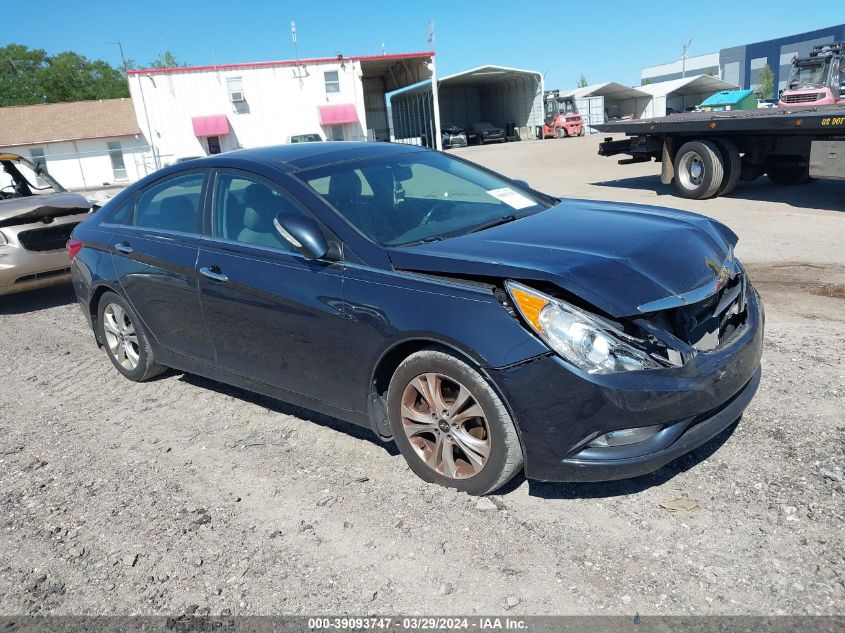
(37, 216)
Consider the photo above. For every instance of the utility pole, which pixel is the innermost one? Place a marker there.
(119, 44)
(684, 58)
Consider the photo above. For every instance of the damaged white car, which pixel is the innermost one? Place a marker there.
(37, 216)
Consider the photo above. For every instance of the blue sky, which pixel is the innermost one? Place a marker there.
(612, 43)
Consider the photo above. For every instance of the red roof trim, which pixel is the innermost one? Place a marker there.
(285, 62)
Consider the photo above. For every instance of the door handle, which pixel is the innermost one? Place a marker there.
(123, 247)
(213, 272)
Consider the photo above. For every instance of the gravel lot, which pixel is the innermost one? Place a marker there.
(184, 495)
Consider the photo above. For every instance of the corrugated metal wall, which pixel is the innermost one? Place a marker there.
(591, 110)
(459, 106)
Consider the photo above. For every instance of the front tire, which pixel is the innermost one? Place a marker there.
(698, 170)
(450, 425)
(125, 339)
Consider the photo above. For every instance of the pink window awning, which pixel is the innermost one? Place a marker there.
(338, 114)
(211, 125)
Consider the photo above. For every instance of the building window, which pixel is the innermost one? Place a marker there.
(235, 85)
(37, 156)
(332, 81)
(118, 167)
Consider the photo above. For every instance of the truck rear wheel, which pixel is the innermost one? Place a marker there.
(732, 165)
(699, 171)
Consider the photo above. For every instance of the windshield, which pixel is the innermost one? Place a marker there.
(809, 74)
(305, 138)
(419, 196)
(20, 178)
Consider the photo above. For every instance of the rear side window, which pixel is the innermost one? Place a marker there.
(172, 205)
(121, 214)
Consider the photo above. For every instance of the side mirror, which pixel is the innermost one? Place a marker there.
(522, 183)
(302, 233)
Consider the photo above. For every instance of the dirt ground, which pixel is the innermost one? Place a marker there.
(184, 495)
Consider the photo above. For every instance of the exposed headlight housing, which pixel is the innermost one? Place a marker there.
(575, 335)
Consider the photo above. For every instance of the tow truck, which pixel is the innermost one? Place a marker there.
(817, 78)
(706, 154)
(562, 118)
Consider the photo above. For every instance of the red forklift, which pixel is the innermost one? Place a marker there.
(817, 79)
(561, 116)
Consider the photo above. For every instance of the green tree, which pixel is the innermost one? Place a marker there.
(19, 67)
(69, 76)
(582, 81)
(712, 72)
(765, 83)
(166, 60)
(29, 76)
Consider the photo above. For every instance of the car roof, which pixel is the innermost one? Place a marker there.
(299, 156)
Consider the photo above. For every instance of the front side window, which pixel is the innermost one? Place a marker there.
(400, 200)
(332, 81)
(172, 205)
(244, 210)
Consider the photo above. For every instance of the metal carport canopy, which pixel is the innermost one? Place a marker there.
(608, 89)
(382, 74)
(479, 78)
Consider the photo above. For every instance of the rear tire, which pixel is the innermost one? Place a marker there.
(732, 164)
(788, 174)
(699, 171)
(450, 425)
(125, 339)
(583, 131)
(560, 132)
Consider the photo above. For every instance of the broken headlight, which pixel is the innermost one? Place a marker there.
(575, 335)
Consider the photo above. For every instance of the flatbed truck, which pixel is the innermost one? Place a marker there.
(705, 154)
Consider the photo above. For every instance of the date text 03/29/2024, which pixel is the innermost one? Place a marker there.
(417, 623)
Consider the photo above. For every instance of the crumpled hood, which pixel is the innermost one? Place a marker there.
(617, 257)
(43, 205)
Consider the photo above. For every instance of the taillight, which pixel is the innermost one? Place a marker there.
(73, 247)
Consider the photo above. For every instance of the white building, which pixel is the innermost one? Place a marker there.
(194, 111)
(692, 66)
(83, 144)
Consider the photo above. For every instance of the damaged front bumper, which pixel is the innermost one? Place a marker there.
(22, 269)
(559, 409)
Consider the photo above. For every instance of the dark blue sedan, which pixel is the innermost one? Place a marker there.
(483, 326)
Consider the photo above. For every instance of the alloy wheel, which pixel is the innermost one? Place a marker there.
(121, 337)
(445, 425)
